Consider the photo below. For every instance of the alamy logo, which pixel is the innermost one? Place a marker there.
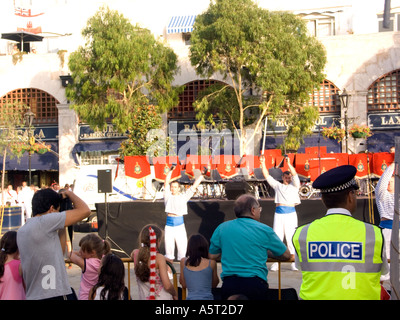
(349, 280)
(49, 279)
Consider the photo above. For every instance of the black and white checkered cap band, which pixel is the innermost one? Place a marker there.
(351, 183)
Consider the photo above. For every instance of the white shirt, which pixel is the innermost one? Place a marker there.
(10, 196)
(177, 204)
(338, 211)
(385, 199)
(287, 194)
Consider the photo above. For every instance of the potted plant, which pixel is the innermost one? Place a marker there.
(334, 133)
(360, 131)
(42, 148)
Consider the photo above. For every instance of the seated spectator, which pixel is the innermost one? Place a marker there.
(111, 283)
(11, 282)
(199, 273)
(92, 249)
(244, 244)
(149, 262)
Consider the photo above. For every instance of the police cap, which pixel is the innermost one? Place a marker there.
(336, 179)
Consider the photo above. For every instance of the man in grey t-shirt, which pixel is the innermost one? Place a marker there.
(41, 242)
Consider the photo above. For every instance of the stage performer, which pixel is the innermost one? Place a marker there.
(175, 208)
(286, 198)
(384, 194)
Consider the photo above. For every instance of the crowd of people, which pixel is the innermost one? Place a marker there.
(32, 259)
(23, 194)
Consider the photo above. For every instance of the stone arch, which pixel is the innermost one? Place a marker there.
(185, 109)
(41, 103)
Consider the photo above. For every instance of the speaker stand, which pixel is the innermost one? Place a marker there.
(107, 237)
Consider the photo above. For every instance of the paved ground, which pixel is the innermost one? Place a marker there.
(289, 278)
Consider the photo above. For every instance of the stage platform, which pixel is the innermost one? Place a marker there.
(126, 219)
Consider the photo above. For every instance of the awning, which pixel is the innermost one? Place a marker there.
(21, 37)
(181, 24)
(107, 145)
(46, 161)
(272, 142)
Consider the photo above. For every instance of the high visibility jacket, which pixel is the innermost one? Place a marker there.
(340, 259)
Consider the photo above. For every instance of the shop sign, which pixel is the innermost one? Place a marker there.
(379, 121)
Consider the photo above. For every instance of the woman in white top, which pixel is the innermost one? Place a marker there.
(286, 198)
(152, 275)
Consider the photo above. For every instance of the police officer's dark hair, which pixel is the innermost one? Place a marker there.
(335, 199)
(43, 199)
(243, 205)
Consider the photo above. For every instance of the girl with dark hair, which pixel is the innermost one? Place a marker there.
(11, 282)
(151, 267)
(92, 249)
(111, 283)
(198, 273)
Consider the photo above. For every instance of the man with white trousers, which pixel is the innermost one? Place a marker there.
(286, 198)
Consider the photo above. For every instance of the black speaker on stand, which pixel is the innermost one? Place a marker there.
(104, 185)
(233, 189)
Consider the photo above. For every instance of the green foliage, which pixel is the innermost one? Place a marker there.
(119, 72)
(139, 141)
(267, 54)
(11, 134)
(11, 129)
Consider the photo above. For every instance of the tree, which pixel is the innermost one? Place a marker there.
(270, 62)
(13, 139)
(121, 74)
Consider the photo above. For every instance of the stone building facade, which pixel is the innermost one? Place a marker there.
(363, 58)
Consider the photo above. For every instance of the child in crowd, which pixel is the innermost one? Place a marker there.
(92, 249)
(11, 282)
(198, 273)
(151, 267)
(111, 283)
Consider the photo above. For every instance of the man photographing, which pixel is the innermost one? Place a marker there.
(41, 242)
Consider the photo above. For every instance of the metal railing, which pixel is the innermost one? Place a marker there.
(175, 274)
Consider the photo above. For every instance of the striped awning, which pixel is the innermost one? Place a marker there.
(181, 24)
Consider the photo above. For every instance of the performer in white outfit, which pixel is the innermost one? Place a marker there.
(25, 199)
(384, 197)
(286, 198)
(176, 208)
(10, 196)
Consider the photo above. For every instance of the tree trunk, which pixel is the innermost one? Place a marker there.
(2, 175)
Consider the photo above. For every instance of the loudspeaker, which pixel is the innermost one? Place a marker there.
(104, 181)
(233, 189)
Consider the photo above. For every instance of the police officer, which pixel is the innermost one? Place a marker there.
(340, 257)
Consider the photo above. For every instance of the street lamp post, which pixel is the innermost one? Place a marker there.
(344, 103)
(29, 116)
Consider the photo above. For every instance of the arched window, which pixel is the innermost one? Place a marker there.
(185, 109)
(383, 93)
(326, 98)
(42, 104)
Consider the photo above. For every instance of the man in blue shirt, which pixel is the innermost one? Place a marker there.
(244, 245)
